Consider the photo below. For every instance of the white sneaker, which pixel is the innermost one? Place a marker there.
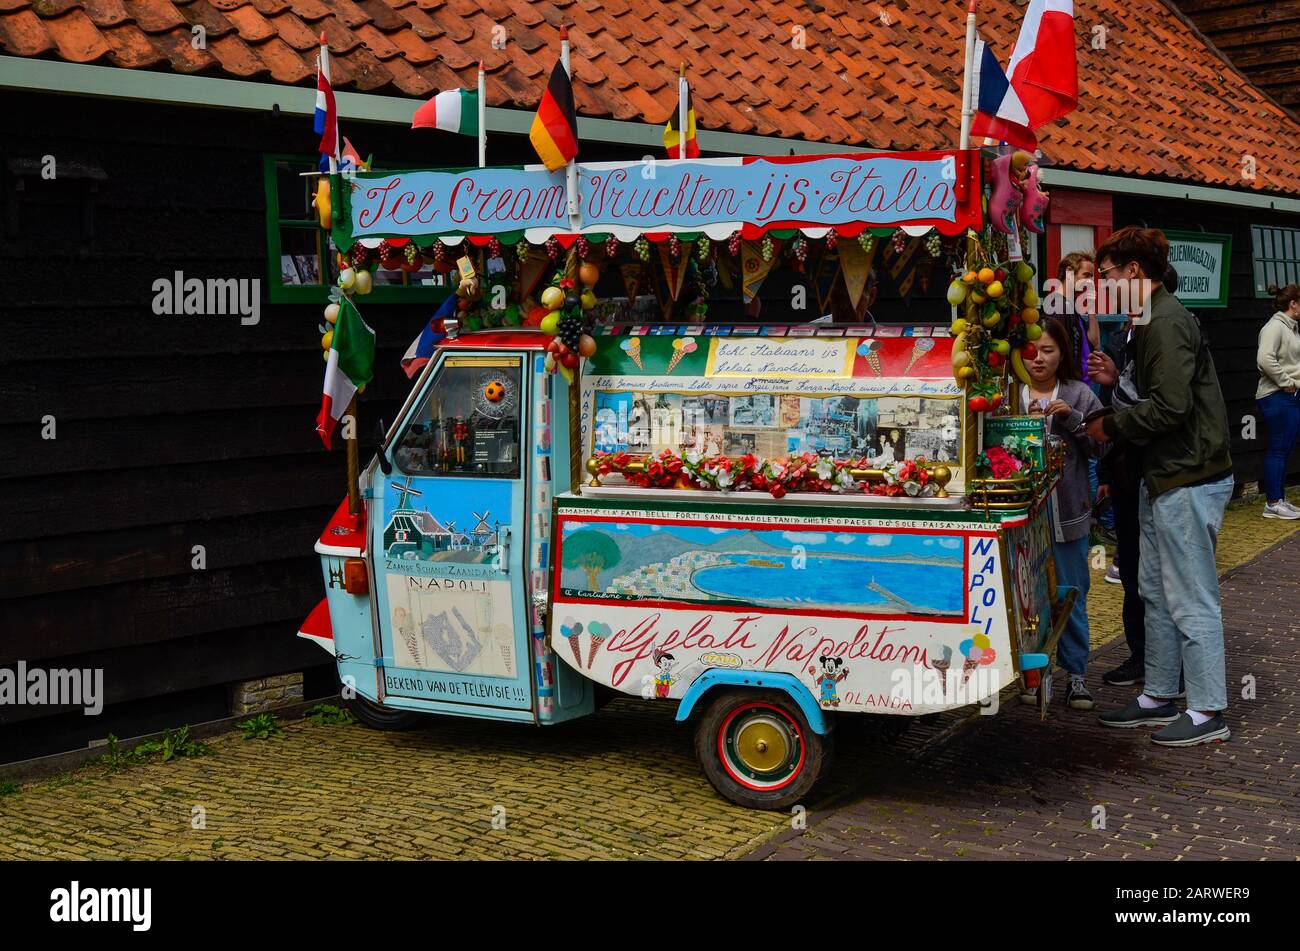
(1112, 574)
(1280, 509)
(1290, 506)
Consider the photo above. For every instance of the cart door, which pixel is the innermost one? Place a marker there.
(449, 540)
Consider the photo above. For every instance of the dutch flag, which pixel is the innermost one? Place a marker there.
(327, 117)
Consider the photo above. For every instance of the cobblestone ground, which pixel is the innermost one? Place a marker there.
(1014, 787)
(624, 783)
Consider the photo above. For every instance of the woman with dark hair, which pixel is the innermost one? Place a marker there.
(1058, 394)
(1278, 359)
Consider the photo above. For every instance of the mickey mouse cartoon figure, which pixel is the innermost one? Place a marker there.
(832, 672)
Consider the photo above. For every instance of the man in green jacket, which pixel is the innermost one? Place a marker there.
(1179, 432)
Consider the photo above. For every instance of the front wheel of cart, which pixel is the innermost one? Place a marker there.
(382, 718)
(757, 749)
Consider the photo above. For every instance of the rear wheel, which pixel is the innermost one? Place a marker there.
(757, 749)
(382, 718)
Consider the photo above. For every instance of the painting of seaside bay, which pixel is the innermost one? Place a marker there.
(856, 571)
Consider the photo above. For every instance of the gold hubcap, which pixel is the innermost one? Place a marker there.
(762, 745)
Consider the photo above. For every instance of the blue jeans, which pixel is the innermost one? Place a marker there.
(1281, 410)
(1072, 569)
(1108, 517)
(1180, 587)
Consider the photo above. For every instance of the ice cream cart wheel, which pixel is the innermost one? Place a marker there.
(382, 718)
(757, 749)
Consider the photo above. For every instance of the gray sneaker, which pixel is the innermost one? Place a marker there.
(1112, 575)
(1183, 732)
(1280, 509)
(1134, 714)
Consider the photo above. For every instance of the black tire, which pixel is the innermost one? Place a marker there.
(736, 742)
(382, 718)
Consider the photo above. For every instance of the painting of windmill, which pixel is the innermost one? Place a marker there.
(414, 533)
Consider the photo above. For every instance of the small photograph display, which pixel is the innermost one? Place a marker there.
(883, 430)
(754, 410)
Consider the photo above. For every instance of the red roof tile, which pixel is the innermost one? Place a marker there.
(1156, 101)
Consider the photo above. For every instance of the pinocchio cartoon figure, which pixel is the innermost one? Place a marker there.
(664, 678)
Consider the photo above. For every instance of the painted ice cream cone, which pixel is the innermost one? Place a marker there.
(577, 650)
(632, 345)
(966, 667)
(681, 347)
(942, 666)
(869, 349)
(595, 646)
(922, 346)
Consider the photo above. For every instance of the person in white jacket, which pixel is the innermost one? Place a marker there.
(1278, 359)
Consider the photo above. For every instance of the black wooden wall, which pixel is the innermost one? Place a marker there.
(172, 431)
(1233, 331)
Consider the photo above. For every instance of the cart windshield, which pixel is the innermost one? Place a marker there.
(468, 424)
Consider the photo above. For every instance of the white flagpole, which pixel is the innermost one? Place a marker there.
(482, 116)
(681, 111)
(967, 106)
(571, 171)
(325, 71)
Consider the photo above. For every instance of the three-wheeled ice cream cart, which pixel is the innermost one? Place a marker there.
(767, 526)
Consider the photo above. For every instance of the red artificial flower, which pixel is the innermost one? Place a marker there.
(777, 490)
(759, 481)
(1001, 462)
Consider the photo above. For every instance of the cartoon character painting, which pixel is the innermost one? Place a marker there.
(664, 678)
(832, 672)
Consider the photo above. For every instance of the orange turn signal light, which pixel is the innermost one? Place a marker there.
(355, 580)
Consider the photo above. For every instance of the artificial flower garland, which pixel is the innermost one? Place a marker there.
(806, 472)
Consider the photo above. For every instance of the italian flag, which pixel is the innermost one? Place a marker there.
(350, 365)
(453, 111)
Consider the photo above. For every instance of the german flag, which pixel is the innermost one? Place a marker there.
(555, 127)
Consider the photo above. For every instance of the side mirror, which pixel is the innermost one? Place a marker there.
(385, 466)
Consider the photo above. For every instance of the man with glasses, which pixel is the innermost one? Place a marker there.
(1179, 428)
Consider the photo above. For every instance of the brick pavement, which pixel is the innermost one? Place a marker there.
(624, 784)
(1014, 787)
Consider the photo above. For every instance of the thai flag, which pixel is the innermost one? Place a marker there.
(1043, 68)
(421, 349)
(999, 113)
(327, 117)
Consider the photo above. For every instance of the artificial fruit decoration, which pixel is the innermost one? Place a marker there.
(364, 283)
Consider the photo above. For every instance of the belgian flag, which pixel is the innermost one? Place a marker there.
(555, 127)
